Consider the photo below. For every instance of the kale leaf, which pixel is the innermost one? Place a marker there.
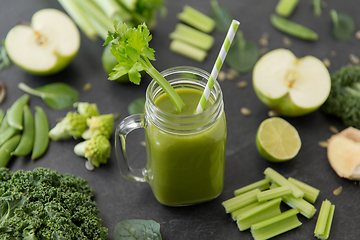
(44, 204)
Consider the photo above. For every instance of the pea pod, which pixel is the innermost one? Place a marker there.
(27, 138)
(286, 7)
(7, 148)
(16, 111)
(4, 124)
(7, 134)
(41, 139)
(293, 28)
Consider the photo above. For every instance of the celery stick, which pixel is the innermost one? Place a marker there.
(77, 14)
(273, 193)
(324, 221)
(304, 207)
(192, 36)
(279, 179)
(286, 7)
(196, 19)
(276, 225)
(240, 201)
(259, 213)
(187, 50)
(261, 185)
(244, 209)
(109, 7)
(328, 224)
(97, 17)
(310, 193)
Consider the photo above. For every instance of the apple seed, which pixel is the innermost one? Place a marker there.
(337, 191)
(354, 59)
(245, 111)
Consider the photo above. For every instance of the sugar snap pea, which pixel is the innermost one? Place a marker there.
(7, 134)
(16, 111)
(286, 7)
(41, 139)
(27, 138)
(293, 28)
(7, 148)
(4, 125)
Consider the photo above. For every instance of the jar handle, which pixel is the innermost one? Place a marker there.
(126, 126)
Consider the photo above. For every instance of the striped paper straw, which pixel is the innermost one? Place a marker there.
(218, 64)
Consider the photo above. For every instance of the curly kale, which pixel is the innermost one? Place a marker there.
(44, 204)
(344, 98)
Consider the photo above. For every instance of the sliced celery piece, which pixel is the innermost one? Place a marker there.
(304, 207)
(192, 36)
(97, 17)
(109, 7)
(286, 7)
(279, 179)
(310, 193)
(273, 193)
(240, 201)
(324, 221)
(187, 50)
(244, 209)
(196, 19)
(79, 16)
(264, 211)
(261, 185)
(276, 225)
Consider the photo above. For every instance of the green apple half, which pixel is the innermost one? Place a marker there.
(289, 85)
(47, 45)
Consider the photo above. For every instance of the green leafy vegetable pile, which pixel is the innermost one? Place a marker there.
(44, 204)
(344, 98)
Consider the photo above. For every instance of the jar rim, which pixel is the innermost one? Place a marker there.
(205, 118)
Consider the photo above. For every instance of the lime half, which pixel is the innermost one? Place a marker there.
(277, 140)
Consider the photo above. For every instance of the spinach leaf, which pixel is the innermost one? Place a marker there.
(137, 106)
(137, 229)
(242, 55)
(57, 96)
(221, 16)
(343, 25)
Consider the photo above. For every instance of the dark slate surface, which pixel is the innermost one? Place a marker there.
(119, 199)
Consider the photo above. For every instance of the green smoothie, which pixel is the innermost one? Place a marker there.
(185, 168)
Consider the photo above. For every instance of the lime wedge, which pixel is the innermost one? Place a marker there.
(277, 140)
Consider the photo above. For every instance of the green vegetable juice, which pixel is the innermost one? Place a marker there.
(186, 167)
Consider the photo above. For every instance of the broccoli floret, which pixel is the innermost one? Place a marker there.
(96, 149)
(72, 125)
(102, 124)
(87, 109)
(344, 97)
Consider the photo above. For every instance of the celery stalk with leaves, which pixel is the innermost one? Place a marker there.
(131, 48)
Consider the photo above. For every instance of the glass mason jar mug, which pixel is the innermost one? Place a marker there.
(185, 153)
